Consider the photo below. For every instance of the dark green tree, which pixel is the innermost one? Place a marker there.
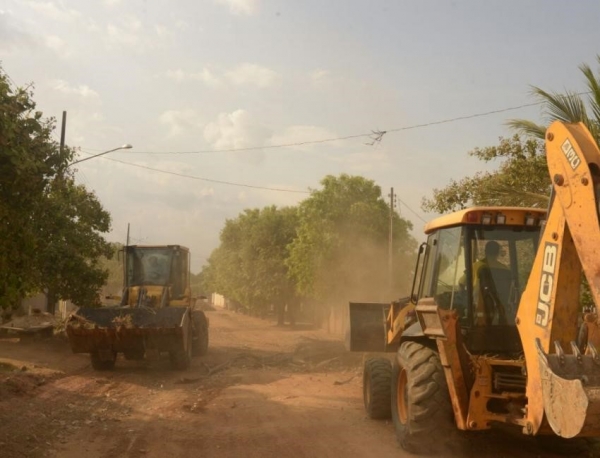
(249, 265)
(114, 266)
(521, 179)
(50, 228)
(341, 248)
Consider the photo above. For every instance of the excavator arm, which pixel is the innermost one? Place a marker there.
(560, 344)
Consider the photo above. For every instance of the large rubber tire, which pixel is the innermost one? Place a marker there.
(181, 358)
(377, 388)
(421, 408)
(102, 365)
(200, 336)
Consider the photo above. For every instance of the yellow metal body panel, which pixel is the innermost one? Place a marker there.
(153, 291)
(549, 309)
(557, 383)
(396, 322)
(454, 361)
(482, 394)
(181, 247)
(473, 215)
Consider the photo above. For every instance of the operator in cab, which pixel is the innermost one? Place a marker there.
(485, 294)
(492, 252)
(155, 270)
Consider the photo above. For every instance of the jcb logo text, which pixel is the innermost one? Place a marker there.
(546, 284)
(570, 154)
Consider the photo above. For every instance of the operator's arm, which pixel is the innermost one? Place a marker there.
(462, 281)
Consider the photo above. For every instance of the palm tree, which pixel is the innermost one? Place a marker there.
(568, 107)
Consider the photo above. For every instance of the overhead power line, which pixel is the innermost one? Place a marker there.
(257, 148)
(209, 180)
(375, 136)
(410, 209)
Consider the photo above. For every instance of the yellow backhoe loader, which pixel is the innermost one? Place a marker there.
(156, 313)
(493, 331)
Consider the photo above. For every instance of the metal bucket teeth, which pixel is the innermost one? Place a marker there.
(571, 390)
(123, 328)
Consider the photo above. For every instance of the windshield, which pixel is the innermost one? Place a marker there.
(149, 266)
(501, 260)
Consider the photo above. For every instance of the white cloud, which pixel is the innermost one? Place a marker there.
(127, 32)
(180, 121)
(239, 7)
(253, 74)
(111, 3)
(82, 90)
(365, 161)
(205, 76)
(55, 11)
(161, 30)
(12, 36)
(183, 25)
(58, 45)
(235, 130)
(301, 133)
(244, 74)
(205, 192)
(86, 128)
(319, 75)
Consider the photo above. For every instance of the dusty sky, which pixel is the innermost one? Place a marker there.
(214, 75)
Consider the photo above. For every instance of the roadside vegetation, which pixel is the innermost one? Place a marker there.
(51, 229)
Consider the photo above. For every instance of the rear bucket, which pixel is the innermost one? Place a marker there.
(571, 390)
(367, 327)
(124, 328)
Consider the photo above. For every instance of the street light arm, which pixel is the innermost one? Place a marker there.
(126, 146)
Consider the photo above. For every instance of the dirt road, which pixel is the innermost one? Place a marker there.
(262, 391)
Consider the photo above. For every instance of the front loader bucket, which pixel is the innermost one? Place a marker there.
(571, 390)
(367, 327)
(127, 329)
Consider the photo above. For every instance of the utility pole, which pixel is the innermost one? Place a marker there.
(125, 258)
(63, 128)
(390, 242)
(51, 298)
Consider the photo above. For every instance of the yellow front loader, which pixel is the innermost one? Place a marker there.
(493, 331)
(156, 314)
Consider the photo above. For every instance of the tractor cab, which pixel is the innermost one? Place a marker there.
(477, 262)
(157, 266)
(156, 275)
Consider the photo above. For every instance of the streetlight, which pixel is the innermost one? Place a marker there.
(125, 146)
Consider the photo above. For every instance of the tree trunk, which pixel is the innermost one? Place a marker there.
(51, 298)
(291, 308)
(280, 307)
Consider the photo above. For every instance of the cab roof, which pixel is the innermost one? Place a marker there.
(515, 216)
(181, 247)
